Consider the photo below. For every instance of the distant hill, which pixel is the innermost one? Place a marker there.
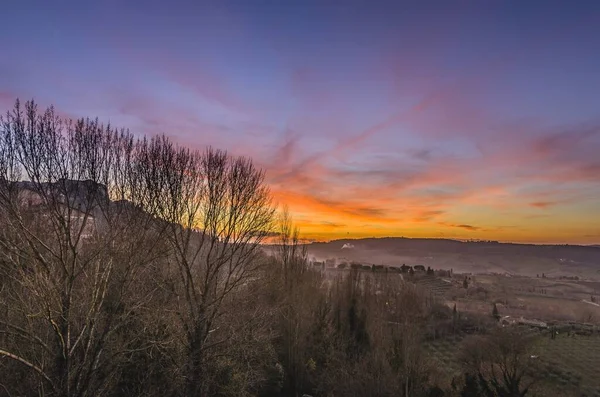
(479, 256)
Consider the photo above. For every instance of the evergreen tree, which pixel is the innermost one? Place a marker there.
(471, 387)
(495, 313)
(454, 317)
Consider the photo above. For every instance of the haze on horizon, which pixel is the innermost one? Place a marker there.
(443, 119)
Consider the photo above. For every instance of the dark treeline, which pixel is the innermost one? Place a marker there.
(133, 267)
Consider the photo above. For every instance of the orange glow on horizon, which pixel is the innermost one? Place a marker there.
(319, 221)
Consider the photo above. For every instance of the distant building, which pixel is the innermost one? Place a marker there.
(532, 323)
(507, 320)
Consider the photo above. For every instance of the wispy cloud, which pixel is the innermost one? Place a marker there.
(467, 227)
(357, 133)
(542, 204)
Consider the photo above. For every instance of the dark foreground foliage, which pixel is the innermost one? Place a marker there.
(134, 267)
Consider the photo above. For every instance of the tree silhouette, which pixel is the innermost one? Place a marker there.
(495, 313)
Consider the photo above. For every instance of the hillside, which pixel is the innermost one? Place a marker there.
(475, 257)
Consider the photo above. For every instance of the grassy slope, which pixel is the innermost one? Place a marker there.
(570, 365)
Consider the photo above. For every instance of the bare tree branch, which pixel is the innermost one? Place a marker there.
(21, 360)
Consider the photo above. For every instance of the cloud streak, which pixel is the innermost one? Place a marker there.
(366, 122)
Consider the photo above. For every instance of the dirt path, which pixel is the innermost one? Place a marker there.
(591, 303)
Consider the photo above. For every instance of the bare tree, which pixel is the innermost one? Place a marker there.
(298, 288)
(291, 253)
(219, 211)
(501, 362)
(137, 267)
(69, 253)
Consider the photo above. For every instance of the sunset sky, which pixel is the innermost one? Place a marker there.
(457, 119)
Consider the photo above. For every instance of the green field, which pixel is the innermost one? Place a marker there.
(573, 360)
(570, 364)
(437, 286)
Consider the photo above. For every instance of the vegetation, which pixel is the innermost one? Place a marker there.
(499, 365)
(134, 267)
(495, 312)
(564, 366)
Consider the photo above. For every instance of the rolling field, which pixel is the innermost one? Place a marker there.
(436, 285)
(570, 365)
(573, 361)
(467, 257)
(540, 298)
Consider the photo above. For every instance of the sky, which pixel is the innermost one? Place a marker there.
(448, 119)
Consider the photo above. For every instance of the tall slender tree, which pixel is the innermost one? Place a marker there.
(218, 211)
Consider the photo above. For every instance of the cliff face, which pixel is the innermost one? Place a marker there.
(82, 192)
(84, 202)
(77, 195)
